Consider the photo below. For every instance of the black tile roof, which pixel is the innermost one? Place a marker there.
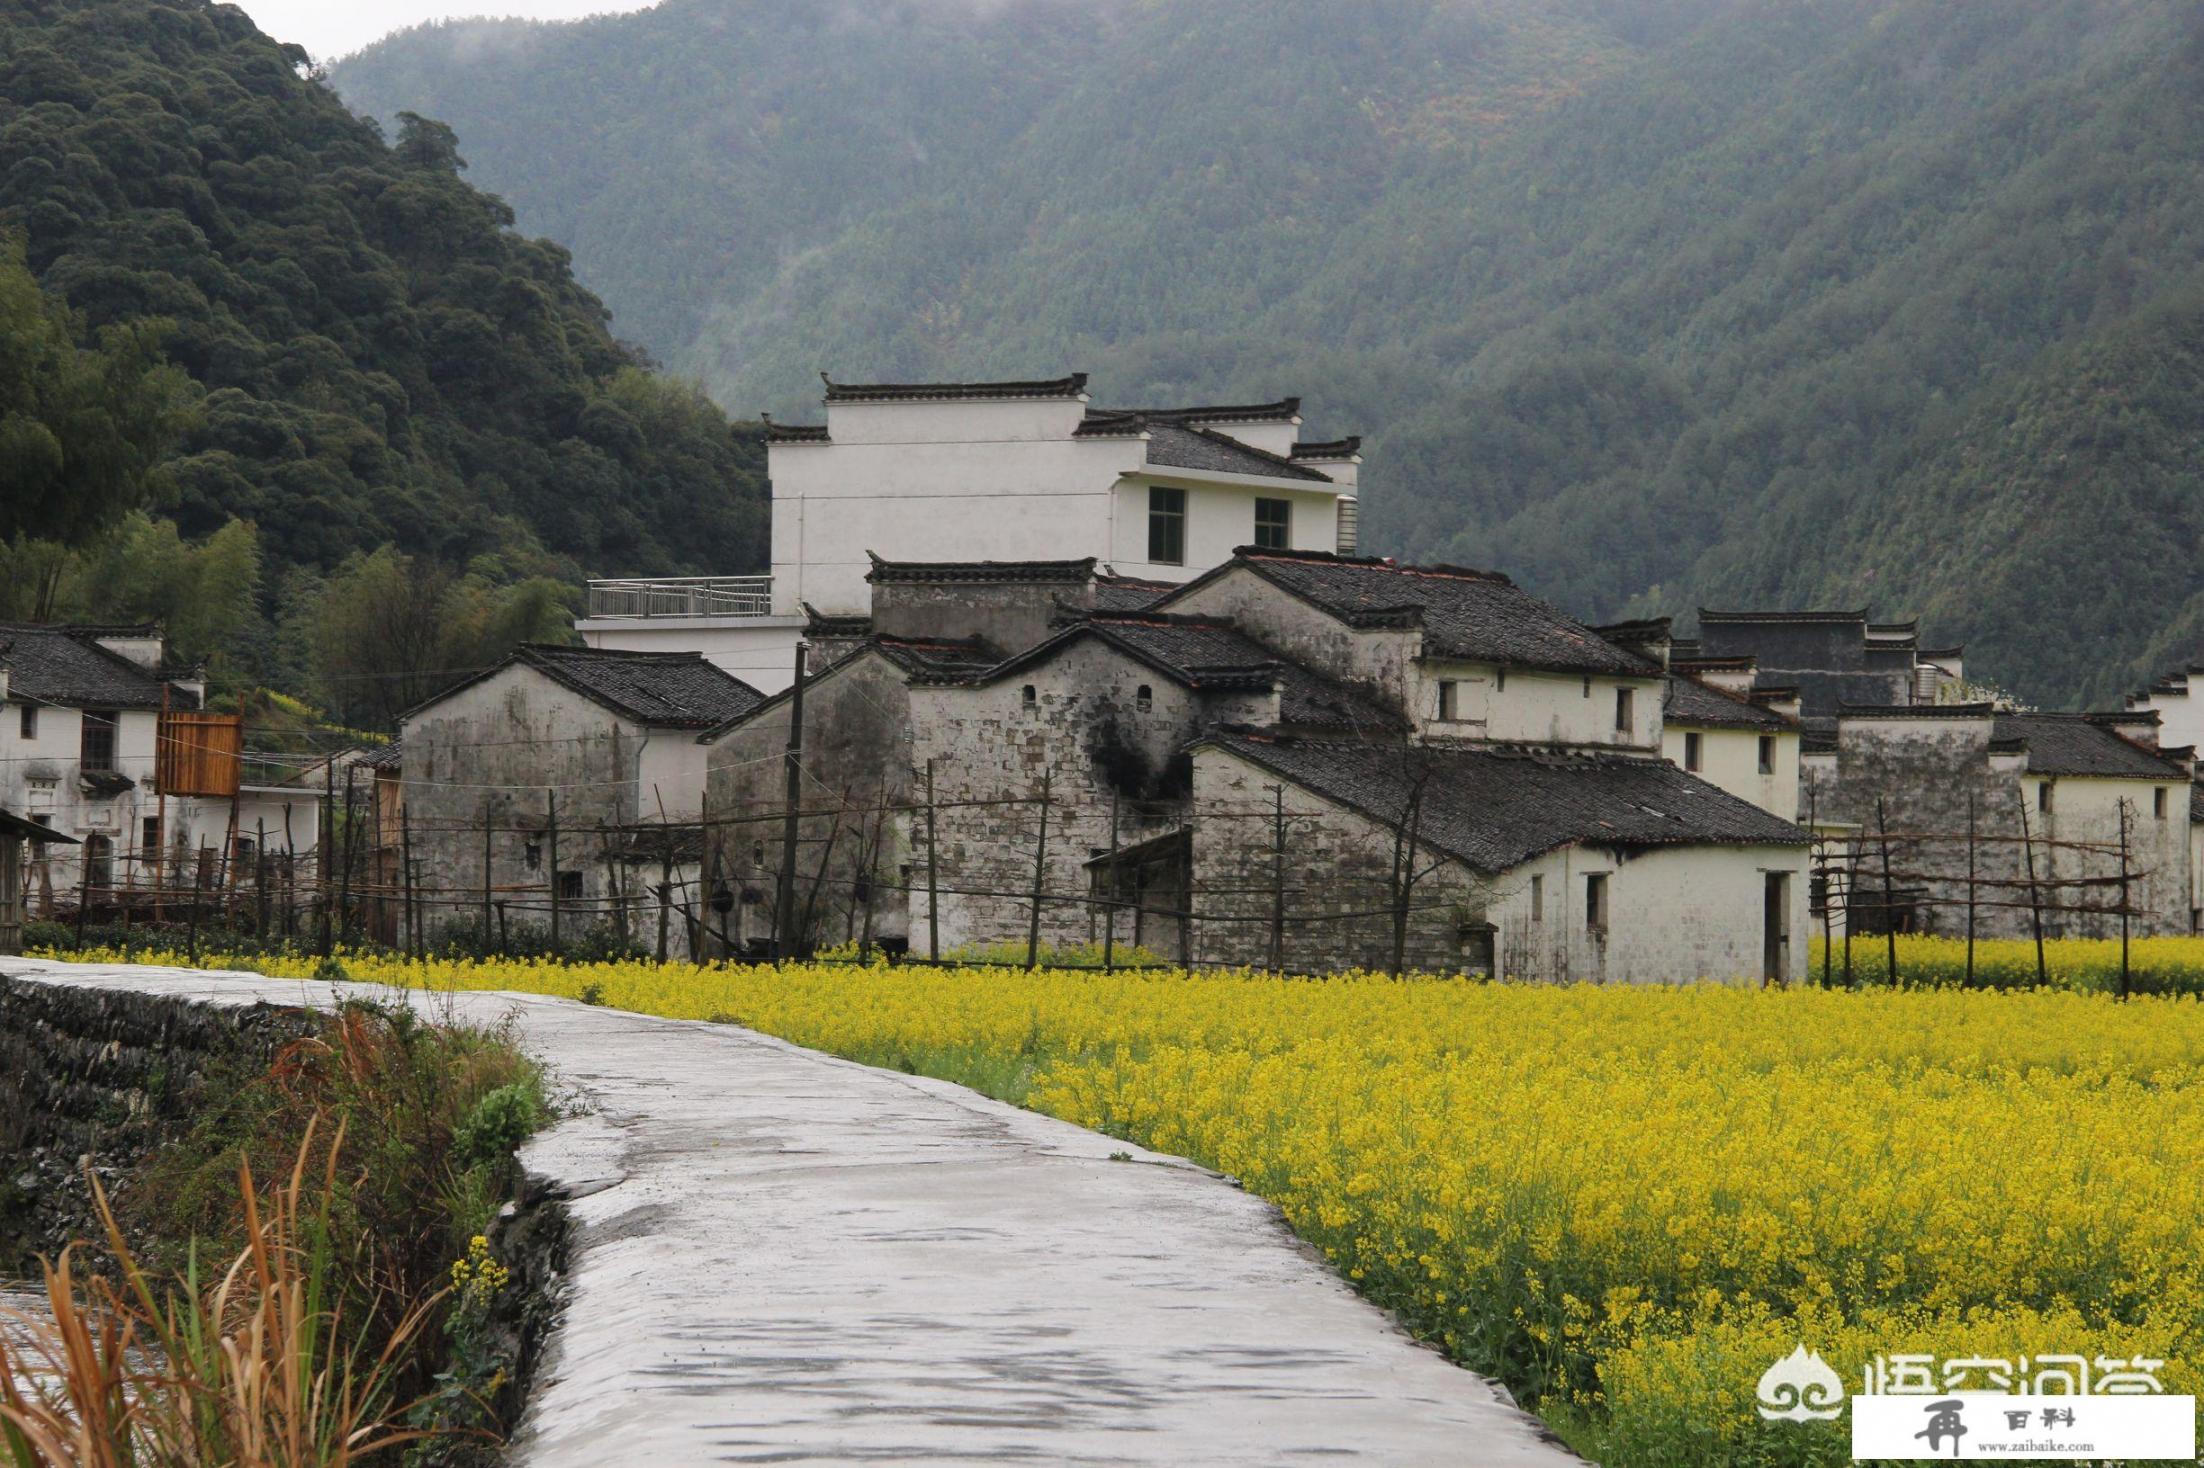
(793, 432)
(675, 690)
(1211, 655)
(912, 392)
(1129, 593)
(1330, 448)
(938, 656)
(1284, 410)
(1177, 446)
(919, 659)
(2077, 744)
(12, 825)
(1496, 809)
(390, 756)
(67, 666)
(1688, 702)
(1707, 614)
(1481, 616)
(837, 626)
(886, 572)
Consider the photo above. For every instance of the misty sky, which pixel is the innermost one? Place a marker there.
(332, 28)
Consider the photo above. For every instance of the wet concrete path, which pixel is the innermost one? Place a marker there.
(781, 1257)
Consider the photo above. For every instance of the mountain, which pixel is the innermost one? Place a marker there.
(1654, 304)
(376, 358)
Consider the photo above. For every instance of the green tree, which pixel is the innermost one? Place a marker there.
(82, 430)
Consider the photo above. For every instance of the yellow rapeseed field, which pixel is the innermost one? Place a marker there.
(1625, 1202)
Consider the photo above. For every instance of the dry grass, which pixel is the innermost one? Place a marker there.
(254, 1368)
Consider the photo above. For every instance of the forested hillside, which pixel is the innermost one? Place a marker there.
(1651, 303)
(372, 361)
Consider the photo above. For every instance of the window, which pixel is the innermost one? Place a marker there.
(1274, 524)
(1167, 526)
(2158, 802)
(30, 721)
(1499, 680)
(1625, 707)
(570, 887)
(1691, 752)
(1449, 701)
(531, 855)
(1767, 754)
(1144, 697)
(1587, 686)
(98, 749)
(2043, 796)
(149, 835)
(1030, 695)
(1595, 904)
(1538, 899)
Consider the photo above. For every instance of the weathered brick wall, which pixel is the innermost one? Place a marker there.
(854, 844)
(1088, 732)
(500, 751)
(1338, 871)
(1379, 661)
(1925, 771)
(1009, 616)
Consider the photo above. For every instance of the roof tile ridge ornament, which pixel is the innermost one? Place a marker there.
(793, 432)
(1329, 448)
(1072, 385)
(1281, 410)
(1721, 615)
(608, 654)
(1080, 568)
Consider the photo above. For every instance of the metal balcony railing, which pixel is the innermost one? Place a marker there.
(683, 596)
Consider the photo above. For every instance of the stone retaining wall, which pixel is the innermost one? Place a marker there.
(93, 1079)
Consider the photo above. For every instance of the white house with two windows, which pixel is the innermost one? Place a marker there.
(1000, 471)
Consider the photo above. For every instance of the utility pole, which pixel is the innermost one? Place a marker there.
(486, 807)
(785, 944)
(1277, 879)
(1890, 901)
(351, 824)
(933, 873)
(1109, 907)
(1970, 888)
(1040, 877)
(2123, 898)
(2035, 898)
(414, 925)
(323, 857)
(551, 805)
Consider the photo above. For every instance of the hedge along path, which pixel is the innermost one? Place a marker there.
(781, 1256)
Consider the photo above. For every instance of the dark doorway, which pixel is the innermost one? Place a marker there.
(1775, 925)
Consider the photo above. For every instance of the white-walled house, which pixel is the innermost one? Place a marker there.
(85, 715)
(2077, 781)
(1734, 741)
(1002, 472)
(1468, 656)
(2179, 706)
(569, 757)
(1542, 866)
